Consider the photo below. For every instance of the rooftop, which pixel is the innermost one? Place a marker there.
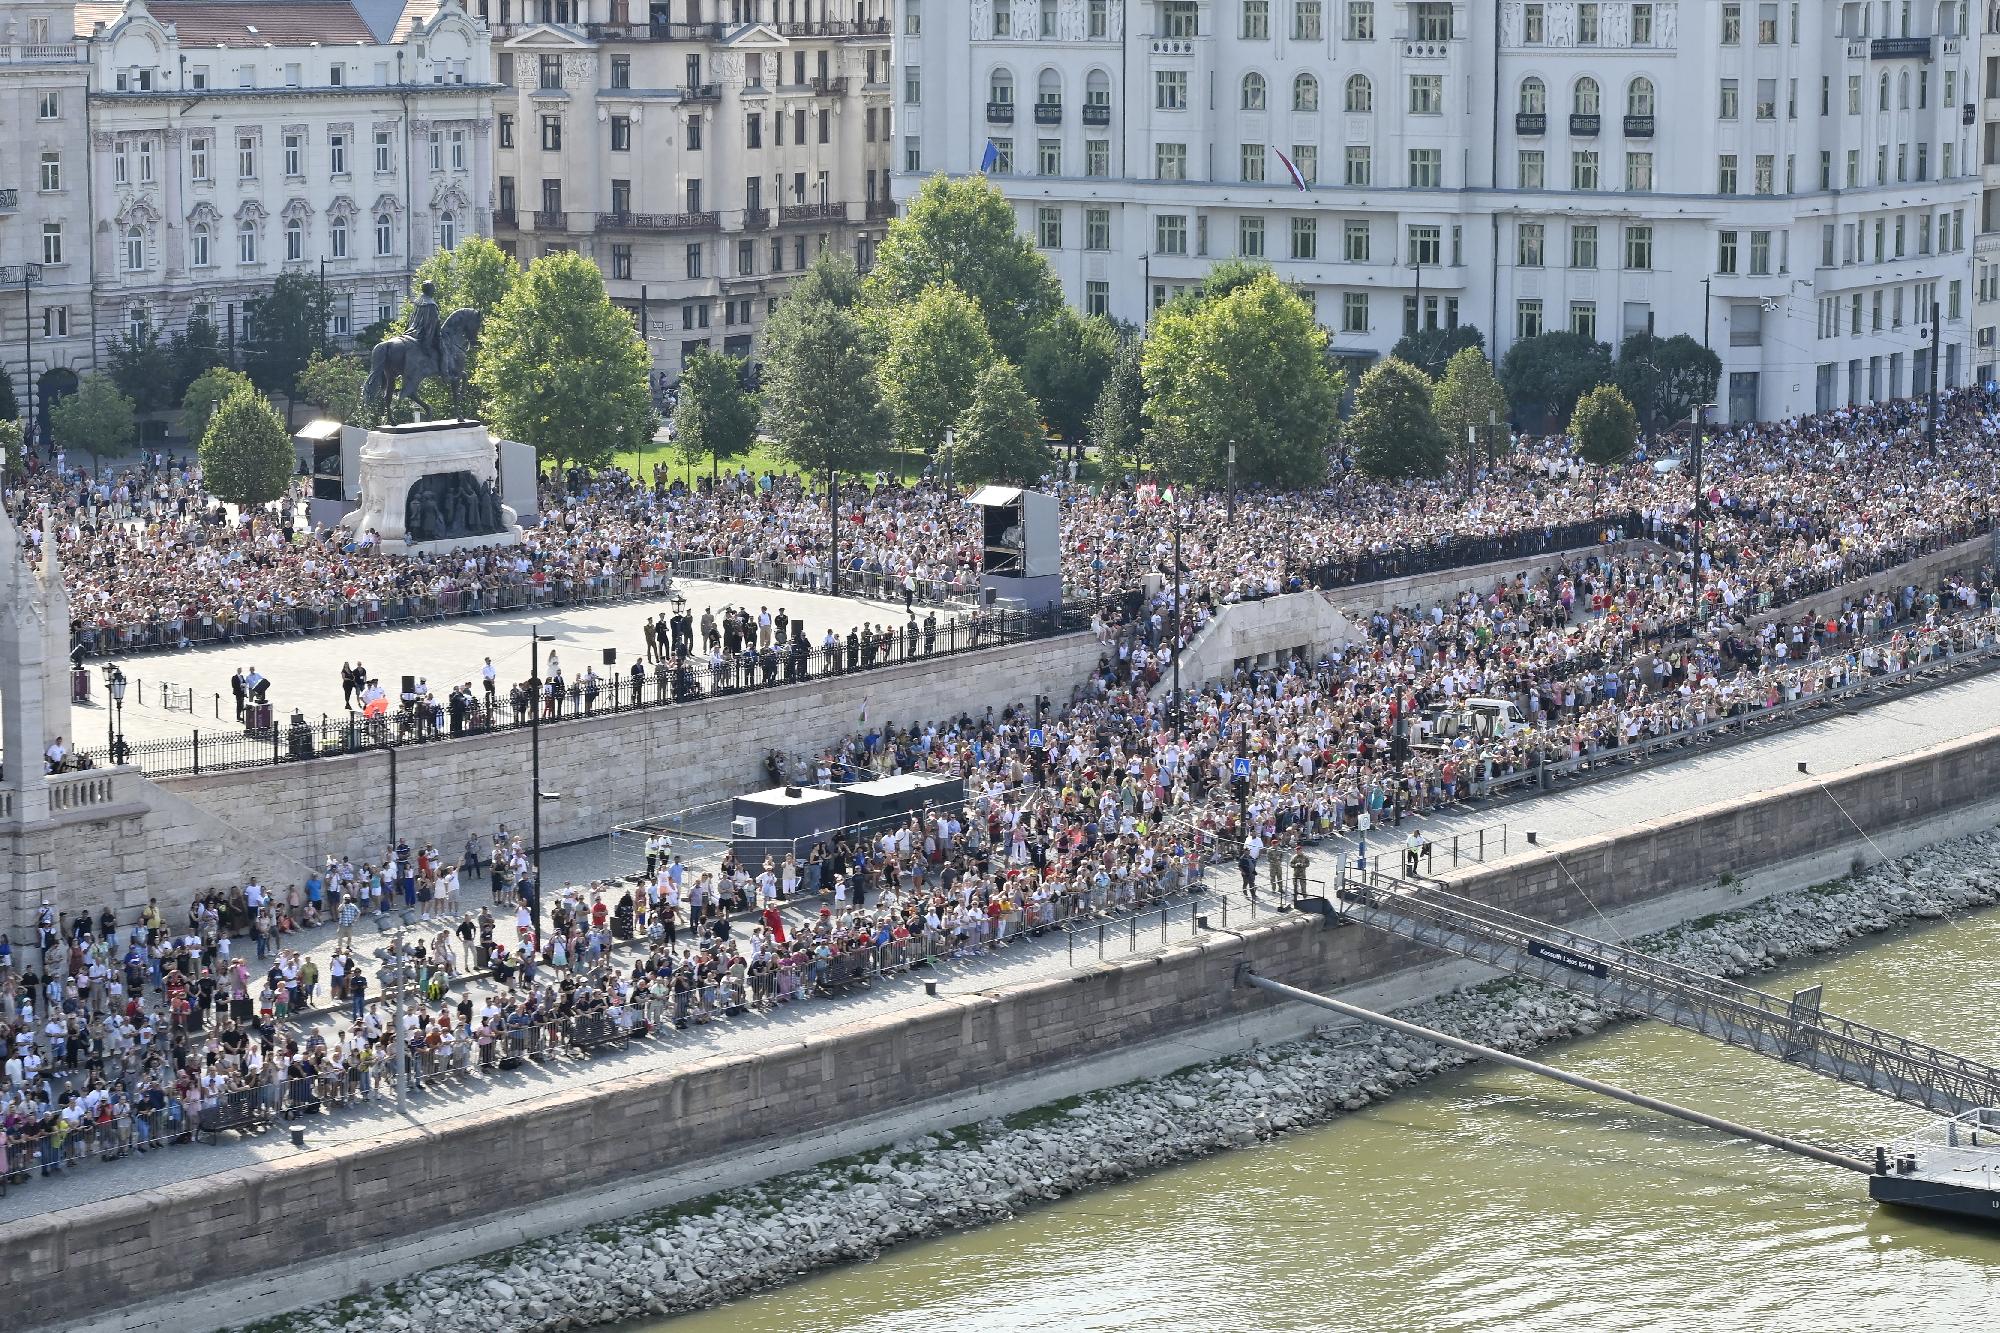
(246, 23)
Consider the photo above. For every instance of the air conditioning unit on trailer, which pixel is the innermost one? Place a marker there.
(743, 826)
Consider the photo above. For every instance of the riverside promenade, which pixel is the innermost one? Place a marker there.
(1890, 730)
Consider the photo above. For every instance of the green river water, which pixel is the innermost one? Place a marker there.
(1491, 1199)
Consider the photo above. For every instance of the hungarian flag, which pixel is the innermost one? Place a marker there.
(1291, 168)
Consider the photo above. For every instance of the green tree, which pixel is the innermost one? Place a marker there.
(1604, 426)
(1224, 277)
(1000, 436)
(96, 419)
(1069, 361)
(1469, 397)
(1118, 421)
(563, 369)
(193, 350)
(1392, 432)
(11, 436)
(1545, 375)
(1247, 369)
(831, 279)
(931, 357)
(246, 453)
(333, 384)
(201, 398)
(716, 416)
(822, 407)
(9, 409)
(475, 273)
(961, 233)
(371, 334)
(289, 323)
(1431, 350)
(1666, 378)
(143, 369)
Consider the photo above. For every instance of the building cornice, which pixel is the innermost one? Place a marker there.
(212, 96)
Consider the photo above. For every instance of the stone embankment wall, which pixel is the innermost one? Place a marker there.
(375, 1194)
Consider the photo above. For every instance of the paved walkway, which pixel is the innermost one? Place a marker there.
(1896, 728)
(305, 671)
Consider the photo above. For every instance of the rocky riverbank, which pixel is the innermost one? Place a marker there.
(712, 1249)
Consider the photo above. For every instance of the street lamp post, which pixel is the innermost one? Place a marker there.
(114, 731)
(1232, 483)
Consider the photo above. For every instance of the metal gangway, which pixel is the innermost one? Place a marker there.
(1797, 1031)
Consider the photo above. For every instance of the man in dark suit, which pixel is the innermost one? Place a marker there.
(237, 689)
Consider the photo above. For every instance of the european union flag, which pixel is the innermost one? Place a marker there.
(990, 157)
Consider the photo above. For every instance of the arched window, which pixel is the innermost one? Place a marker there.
(1639, 97)
(135, 248)
(295, 239)
(1048, 88)
(198, 245)
(1360, 93)
(1305, 93)
(336, 235)
(385, 235)
(1534, 97)
(1586, 96)
(1253, 91)
(1903, 90)
(447, 230)
(246, 243)
(1882, 93)
(1001, 87)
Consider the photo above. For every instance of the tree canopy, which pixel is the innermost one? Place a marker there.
(716, 416)
(143, 369)
(97, 419)
(246, 453)
(563, 369)
(1469, 396)
(999, 439)
(961, 233)
(1666, 378)
(822, 406)
(1392, 432)
(1118, 420)
(475, 272)
(333, 384)
(1249, 369)
(193, 350)
(1545, 375)
(1068, 361)
(935, 349)
(205, 394)
(1604, 426)
(289, 326)
(1431, 350)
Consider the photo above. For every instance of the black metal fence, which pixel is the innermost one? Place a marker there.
(1463, 552)
(296, 737)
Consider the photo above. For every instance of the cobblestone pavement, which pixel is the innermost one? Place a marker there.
(305, 671)
(1895, 728)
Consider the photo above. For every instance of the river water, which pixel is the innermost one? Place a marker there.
(1491, 1199)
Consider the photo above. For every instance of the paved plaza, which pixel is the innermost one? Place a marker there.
(1896, 728)
(305, 670)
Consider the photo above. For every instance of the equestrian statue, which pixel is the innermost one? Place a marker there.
(399, 366)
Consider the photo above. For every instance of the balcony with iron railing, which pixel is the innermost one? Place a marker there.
(10, 200)
(834, 87)
(1584, 123)
(634, 32)
(657, 221)
(881, 208)
(813, 213)
(834, 28)
(1900, 48)
(505, 217)
(1097, 113)
(702, 92)
(1048, 111)
(1000, 113)
(1638, 127)
(1531, 122)
(756, 219)
(551, 220)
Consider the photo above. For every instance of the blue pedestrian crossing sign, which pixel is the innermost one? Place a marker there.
(1243, 766)
(1035, 736)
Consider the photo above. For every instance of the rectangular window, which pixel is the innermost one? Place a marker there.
(1003, 157)
(1354, 241)
(52, 243)
(621, 134)
(1360, 20)
(1528, 250)
(1426, 94)
(1586, 23)
(1250, 237)
(694, 128)
(1426, 168)
(1180, 18)
(1360, 167)
(436, 150)
(1725, 174)
(1170, 89)
(51, 171)
(336, 154)
(1638, 172)
(1170, 161)
(621, 261)
(1097, 157)
(1732, 25)
(458, 150)
(1098, 19)
(1250, 161)
(1354, 312)
(506, 133)
(1725, 252)
(246, 157)
(1527, 319)
(1426, 245)
(1529, 169)
(1305, 157)
(1642, 25)
(551, 134)
(1097, 229)
(1583, 169)
(1256, 21)
(1534, 21)
(198, 157)
(1305, 238)
(121, 164)
(913, 154)
(1639, 247)
(1767, 24)
(1760, 253)
(1583, 319)
(1097, 298)
(1726, 100)
(913, 85)
(621, 71)
(1048, 228)
(1761, 180)
(1306, 20)
(1048, 157)
(1170, 233)
(1583, 245)
(691, 258)
(51, 106)
(145, 156)
(549, 69)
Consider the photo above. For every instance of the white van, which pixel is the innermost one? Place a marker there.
(1480, 719)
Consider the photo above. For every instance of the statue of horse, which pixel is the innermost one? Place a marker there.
(399, 366)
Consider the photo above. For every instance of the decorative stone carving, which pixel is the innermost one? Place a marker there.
(205, 212)
(388, 203)
(251, 211)
(429, 486)
(296, 210)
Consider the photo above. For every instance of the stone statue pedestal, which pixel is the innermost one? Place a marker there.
(454, 508)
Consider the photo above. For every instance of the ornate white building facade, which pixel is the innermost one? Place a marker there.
(701, 151)
(233, 142)
(1793, 181)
